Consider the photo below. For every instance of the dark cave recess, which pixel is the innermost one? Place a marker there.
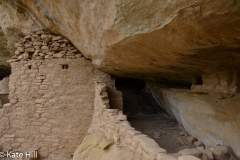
(136, 98)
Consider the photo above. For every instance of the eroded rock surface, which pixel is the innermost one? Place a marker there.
(96, 146)
(171, 41)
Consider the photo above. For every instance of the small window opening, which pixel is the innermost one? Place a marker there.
(198, 81)
(64, 66)
(30, 67)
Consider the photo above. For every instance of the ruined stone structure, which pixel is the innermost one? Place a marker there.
(41, 95)
(166, 44)
(114, 126)
(42, 92)
(117, 134)
(51, 104)
(221, 82)
(50, 107)
(40, 44)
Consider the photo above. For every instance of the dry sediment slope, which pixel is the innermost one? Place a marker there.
(169, 41)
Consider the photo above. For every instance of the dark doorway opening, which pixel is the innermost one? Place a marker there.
(136, 99)
(197, 81)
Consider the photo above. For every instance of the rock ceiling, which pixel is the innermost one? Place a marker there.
(166, 41)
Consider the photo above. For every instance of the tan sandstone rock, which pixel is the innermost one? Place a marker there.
(187, 157)
(101, 149)
(193, 152)
(200, 113)
(119, 35)
(221, 153)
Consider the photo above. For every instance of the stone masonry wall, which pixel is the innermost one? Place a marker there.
(51, 106)
(4, 89)
(114, 125)
(221, 82)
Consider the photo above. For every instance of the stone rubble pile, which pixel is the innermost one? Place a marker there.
(204, 152)
(41, 44)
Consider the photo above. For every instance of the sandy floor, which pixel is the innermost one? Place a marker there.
(163, 130)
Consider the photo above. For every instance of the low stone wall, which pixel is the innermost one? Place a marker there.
(4, 89)
(221, 82)
(51, 106)
(114, 125)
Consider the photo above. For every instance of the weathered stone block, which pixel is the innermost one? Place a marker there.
(188, 157)
(193, 152)
(162, 156)
(44, 87)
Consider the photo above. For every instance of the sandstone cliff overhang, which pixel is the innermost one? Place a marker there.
(168, 41)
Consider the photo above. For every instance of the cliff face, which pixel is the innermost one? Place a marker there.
(169, 41)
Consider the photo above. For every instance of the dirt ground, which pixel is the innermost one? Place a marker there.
(164, 130)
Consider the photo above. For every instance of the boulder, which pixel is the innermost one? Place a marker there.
(100, 148)
(221, 153)
(188, 157)
(207, 154)
(192, 152)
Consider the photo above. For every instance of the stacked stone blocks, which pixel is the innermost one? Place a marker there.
(220, 82)
(40, 44)
(51, 98)
(114, 125)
